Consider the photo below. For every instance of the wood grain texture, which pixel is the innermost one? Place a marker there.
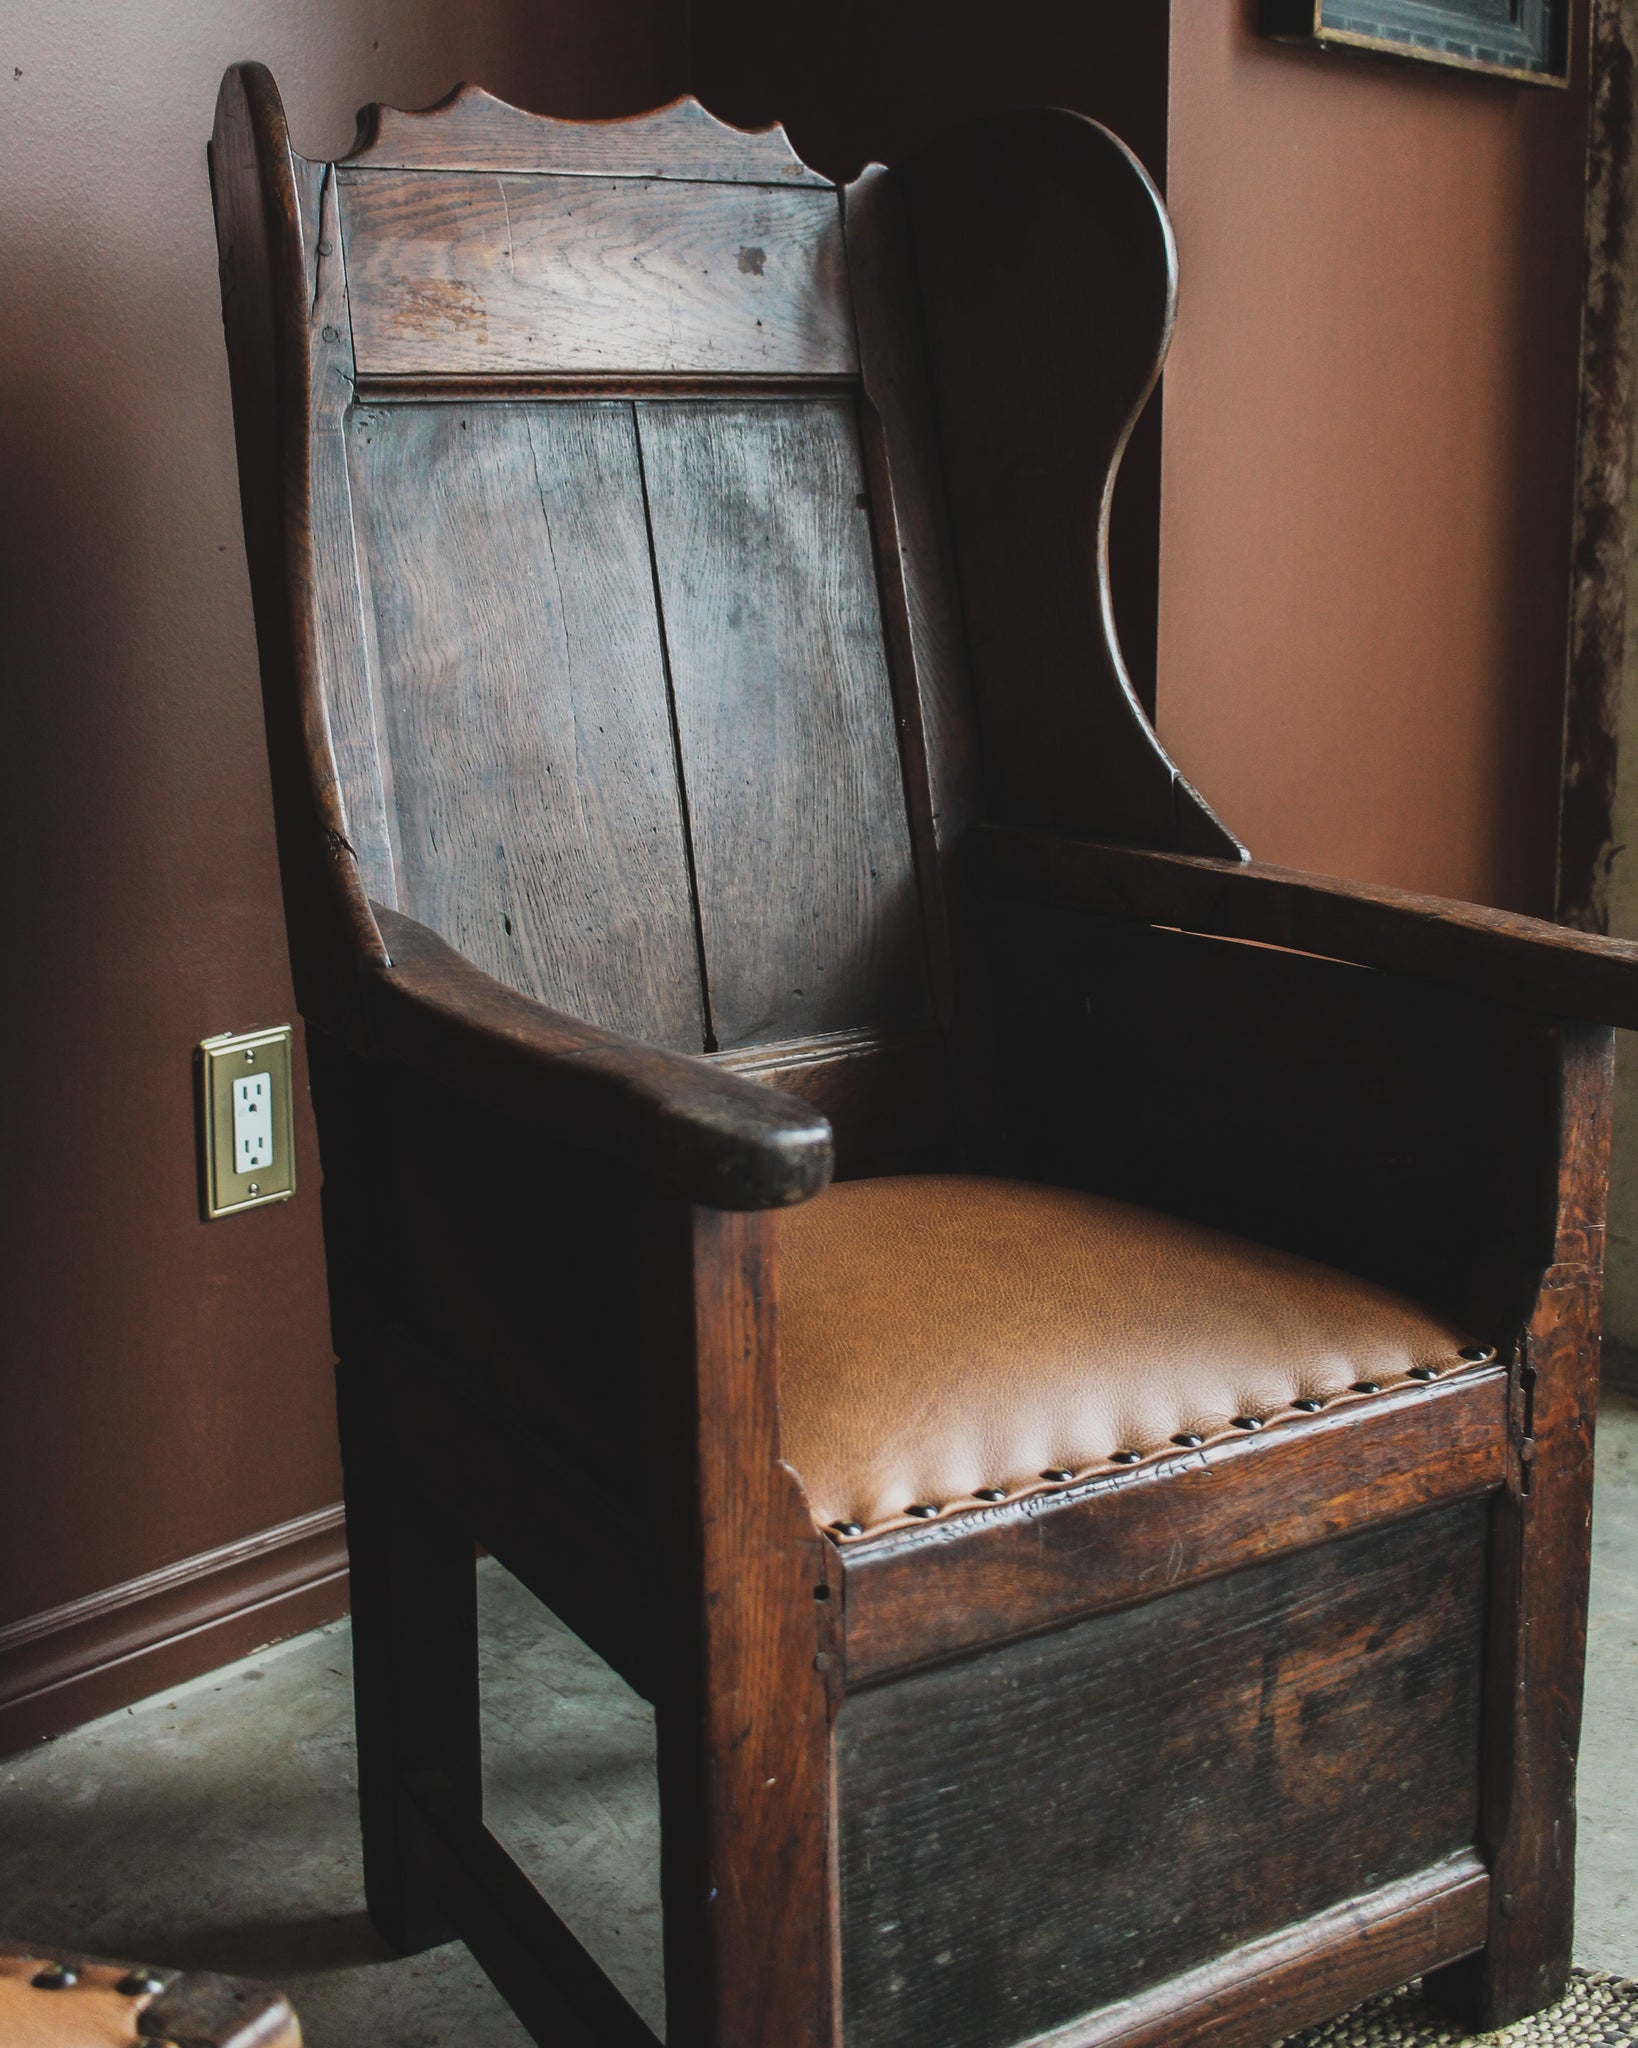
(471, 130)
(538, 821)
(344, 669)
(744, 1723)
(933, 1593)
(889, 1100)
(461, 273)
(659, 1119)
(266, 203)
(1540, 1562)
(1300, 1102)
(415, 1655)
(1047, 279)
(1588, 840)
(916, 553)
(1523, 961)
(1003, 1819)
(1308, 1972)
(807, 893)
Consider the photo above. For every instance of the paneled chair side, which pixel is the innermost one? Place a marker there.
(1113, 1566)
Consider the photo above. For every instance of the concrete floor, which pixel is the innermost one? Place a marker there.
(214, 1826)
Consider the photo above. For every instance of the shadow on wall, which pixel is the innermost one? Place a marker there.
(170, 1379)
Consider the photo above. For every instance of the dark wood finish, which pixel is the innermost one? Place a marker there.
(925, 1595)
(1308, 1972)
(1541, 1556)
(886, 1096)
(744, 1722)
(1517, 960)
(270, 293)
(551, 1983)
(546, 845)
(415, 1660)
(1399, 1130)
(1018, 224)
(639, 682)
(717, 1137)
(512, 274)
(1000, 1817)
(471, 130)
(1587, 840)
(915, 551)
(808, 909)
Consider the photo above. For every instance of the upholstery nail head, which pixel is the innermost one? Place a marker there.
(1057, 1474)
(140, 1984)
(1366, 1387)
(1188, 1439)
(1126, 1457)
(990, 1493)
(923, 1510)
(1308, 1406)
(848, 1528)
(1424, 1372)
(1248, 1422)
(1476, 1354)
(55, 1977)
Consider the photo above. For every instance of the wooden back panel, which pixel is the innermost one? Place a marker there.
(650, 522)
(600, 658)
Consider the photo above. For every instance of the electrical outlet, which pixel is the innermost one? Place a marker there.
(246, 1121)
(252, 1124)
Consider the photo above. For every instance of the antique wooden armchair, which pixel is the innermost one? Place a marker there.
(1111, 1568)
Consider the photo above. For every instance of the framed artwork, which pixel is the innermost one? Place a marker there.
(1524, 39)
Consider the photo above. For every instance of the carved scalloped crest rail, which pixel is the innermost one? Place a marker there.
(471, 130)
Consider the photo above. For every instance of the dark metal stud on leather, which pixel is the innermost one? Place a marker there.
(1308, 1406)
(1248, 1422)
(1188, 1439)
(1476, 1354)
(140, 1983)
(848, 1528)
(1057, 1474)
(1424, 1372)
(1126, 1457)
(55, 1977)
(1366, 1387)
(990, 1493)
(923, 1511)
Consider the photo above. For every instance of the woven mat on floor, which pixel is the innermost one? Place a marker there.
(1598, 2011)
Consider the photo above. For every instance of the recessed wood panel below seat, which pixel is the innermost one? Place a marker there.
(1030, 1833)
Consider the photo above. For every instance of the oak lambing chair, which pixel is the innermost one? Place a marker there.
(1110, 1568)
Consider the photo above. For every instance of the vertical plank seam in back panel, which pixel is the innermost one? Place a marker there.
(676, 740)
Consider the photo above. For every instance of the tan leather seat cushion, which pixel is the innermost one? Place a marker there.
(945, 1333)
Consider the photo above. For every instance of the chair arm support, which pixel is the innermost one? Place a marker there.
(723, 1142)
(1521, 961)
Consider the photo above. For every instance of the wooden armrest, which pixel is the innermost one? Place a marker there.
(721, 1141)
(1521, 961)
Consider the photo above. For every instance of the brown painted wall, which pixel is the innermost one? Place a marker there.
(1370, 421)
(877, 78)
(165, 1382)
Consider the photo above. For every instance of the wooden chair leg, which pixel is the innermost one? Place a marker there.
(1541, 1557)
(743, 1718)
(415, 1662)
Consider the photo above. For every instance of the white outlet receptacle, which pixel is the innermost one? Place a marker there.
(252, 1123)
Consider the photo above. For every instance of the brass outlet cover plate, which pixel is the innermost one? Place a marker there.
(247, 1124)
